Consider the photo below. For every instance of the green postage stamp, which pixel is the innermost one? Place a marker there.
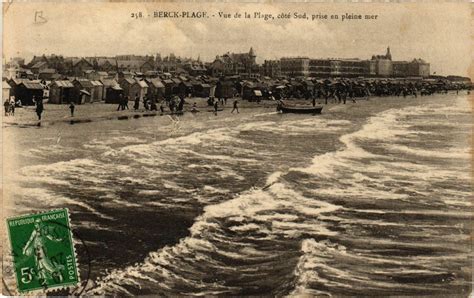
(43, 251)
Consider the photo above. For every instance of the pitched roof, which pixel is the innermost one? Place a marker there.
(102, 61)
(109, 82)
(130, 63)
(18, 81)
(75, 61)
(48, 70)
(96, 83)
(115, 87)
(156, 83)
(32, 85)
(187, 84)
(151, 73)
(128, 80)
(39, 64)
(84, 83)
(63, 84)
(142, 84)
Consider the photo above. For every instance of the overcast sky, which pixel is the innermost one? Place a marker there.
(438, 33)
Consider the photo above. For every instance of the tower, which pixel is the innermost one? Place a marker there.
(388, 55)
(252, 56)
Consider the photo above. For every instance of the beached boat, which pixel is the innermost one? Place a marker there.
(300, 109)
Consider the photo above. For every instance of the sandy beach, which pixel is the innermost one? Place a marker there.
(54, 113)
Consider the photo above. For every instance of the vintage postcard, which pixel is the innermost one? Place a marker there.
(237, 148)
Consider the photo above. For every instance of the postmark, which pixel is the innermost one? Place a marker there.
(43, 251)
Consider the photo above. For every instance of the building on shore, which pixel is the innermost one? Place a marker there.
(138, 89)
(295, 66)
(60, 92)
(383, 64)
(234, 64)
(28, 91)
(82, 91)
(271, 68)
(377, 66)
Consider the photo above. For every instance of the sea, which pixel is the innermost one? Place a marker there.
(368, 198)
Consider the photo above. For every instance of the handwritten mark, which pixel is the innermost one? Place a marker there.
(39, 19)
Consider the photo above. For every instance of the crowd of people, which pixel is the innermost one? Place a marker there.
(338, 91)
(342, 89)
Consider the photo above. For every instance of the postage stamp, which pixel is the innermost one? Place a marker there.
(43, 251)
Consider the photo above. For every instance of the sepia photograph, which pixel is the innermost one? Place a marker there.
(226, 148)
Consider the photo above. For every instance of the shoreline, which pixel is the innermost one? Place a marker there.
(96, 112)
(100, 111)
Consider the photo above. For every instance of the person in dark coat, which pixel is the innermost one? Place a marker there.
(137, 103)
(120, 104)
(153, 106)
(235, 108)
(6, 105)
(39, 109)
(216, 106)
(72, 107)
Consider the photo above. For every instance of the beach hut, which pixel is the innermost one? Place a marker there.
(139, 88)
(126, 85)
(97, 91)
(46, 74)
(113, 94)
(156, 89)
(125, 74)
(169, 85)
(82, 91)
(176, 88)
(151, 74)
(225, 89)
(106, 84)
(14, 83)
(185, 88)
(5, 91)
(60, 92)
(27, 90)
(252, 92)
(201, 89)
(26, 74)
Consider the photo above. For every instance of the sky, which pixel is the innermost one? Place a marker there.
(437, 32)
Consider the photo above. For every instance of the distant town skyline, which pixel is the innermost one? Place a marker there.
(438, 34)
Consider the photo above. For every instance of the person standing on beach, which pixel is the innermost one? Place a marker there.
(137, 103)
(216, 105)
(153, 106)
(6, 105)
(39, 109)
(120, 104)
(12, 107)
(72, 107)
(145, 103)
(125, 102)
(235, 108)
